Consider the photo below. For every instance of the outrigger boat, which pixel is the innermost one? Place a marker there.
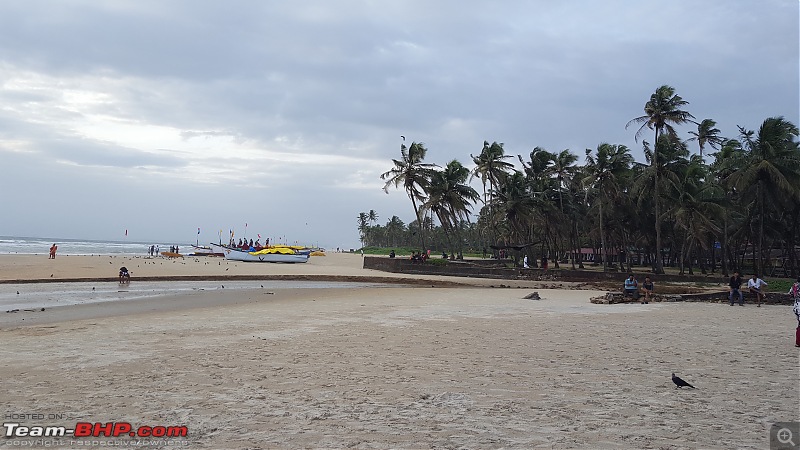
(272, 254)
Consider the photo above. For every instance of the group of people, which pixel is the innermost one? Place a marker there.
(755, 286)
(631, 288)
(249, 246)
(526, 266)
(153, 250)
(53, 250)
(420, 257)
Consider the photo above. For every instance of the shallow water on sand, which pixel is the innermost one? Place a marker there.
(47, 295)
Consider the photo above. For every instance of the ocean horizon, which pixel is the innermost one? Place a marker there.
(27, 245)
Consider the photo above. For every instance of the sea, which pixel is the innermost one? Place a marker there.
(41, 246)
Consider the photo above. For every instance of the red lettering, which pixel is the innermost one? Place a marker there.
(121, 428)
(143, 431)
(83, 429)
(104, 430)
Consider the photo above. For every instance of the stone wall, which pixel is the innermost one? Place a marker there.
(710, 297)
(496, 269)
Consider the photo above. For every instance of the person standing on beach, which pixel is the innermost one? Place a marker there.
(53, 252)
(794, 294)
(735, 285)
(755, 285)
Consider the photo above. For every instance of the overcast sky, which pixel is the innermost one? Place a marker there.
(160, 117)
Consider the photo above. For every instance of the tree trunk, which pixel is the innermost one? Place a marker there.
(419, 221)
(658, 267)
(603, 240)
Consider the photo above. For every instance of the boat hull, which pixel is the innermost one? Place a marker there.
(241, 255)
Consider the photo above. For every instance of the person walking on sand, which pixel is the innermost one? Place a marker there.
(647, 288)
(794, 294)
(755, 286)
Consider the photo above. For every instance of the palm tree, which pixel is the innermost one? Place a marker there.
(542, 188)
(698, 202)
(490, 166)
(607, 171)
(515, 204)
(394, 228)
(562, 167)
(451, 198)
(772, 170)
(729, 159)
(707, 133)
(362, 226)
(414, 175)
(372, 216)
(661, 112)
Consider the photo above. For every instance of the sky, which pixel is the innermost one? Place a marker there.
(277, 118)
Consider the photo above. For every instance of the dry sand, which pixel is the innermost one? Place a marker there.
(471, 367)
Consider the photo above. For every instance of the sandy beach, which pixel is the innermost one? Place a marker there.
(448, 366)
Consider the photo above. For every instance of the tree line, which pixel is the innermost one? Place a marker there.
(739, 209)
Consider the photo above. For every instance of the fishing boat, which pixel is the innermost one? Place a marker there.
(275, 254)
(205, 251)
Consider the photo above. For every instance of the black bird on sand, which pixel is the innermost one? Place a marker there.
(680, 383)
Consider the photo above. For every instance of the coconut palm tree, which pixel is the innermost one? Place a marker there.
(562, 168)
(490, 167)
(451, 199)
(607, 169)
(707, 133)
(727, 161)
(697, 203)
(372, 216)
(362, 226)
(394, 229)
(414, 175)
(772, 171)
(662, 111)
(515, 204)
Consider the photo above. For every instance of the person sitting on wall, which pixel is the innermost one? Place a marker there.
(631, 287)
(392, 254)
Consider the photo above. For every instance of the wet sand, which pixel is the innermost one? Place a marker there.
(421, 367)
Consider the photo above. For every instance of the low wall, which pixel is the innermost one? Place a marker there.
(496, 269)
(709, 297)
(485, 269)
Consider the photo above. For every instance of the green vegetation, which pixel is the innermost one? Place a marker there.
(673, 213)
(779, 285)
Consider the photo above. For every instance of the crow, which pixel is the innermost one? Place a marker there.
(680, 383)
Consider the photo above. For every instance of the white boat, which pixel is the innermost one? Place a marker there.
(277, 255)
(204, 251)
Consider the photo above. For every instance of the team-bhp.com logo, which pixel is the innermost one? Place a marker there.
(97, 429)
